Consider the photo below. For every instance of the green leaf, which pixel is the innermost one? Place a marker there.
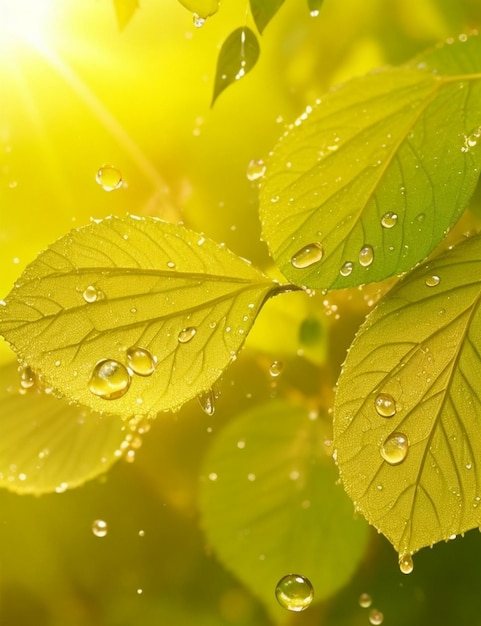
(201, 8)
(124, 10)
(271, 507)
(133, 316)
(315, 6)
(365, 185)
(417, 359)
(238, 55)
(263, 11)
(47, 445)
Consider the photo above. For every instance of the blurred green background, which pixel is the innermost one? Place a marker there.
(76, 94)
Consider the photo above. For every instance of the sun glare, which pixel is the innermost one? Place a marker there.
(24, 21)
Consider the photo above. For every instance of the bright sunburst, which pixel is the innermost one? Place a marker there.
(24, 21)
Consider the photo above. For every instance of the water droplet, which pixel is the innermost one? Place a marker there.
(308, 255)
(365, 600)
(395, 448)
(207, 402)
(389, 219)
(406, 564)
(91, 294)
(109, 178)
(110, 379)
(141, 361)
(385, 405)
(314, 13)
(294, 592)
(346, 269)
(186, 334)
(366, 256)
(256, 169)
(198, 21)
(376, 617)
(27, 377)
(276, 368)
(432, 281)
(99, 528)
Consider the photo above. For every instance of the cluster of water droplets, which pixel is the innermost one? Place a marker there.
(294, 592)
(376, 617)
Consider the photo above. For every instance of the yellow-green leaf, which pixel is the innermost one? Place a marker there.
(408, 405)
(238, 55)
(263, 11)
(47, 444)
(271, 507)
(365, 184)
(133, 316)
(124, 10)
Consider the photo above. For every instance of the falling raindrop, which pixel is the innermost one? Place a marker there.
(385, 405)
(365, 600)
(99, 528)
(91, 294)
(110, 379)
(432, 281)
(256, 169)
(308, 255)
(109, 178)
(394, 450)
(187, 334)
(141, 361)
(389, 219)
(198, 21)
(276, 368)
(366, 256)
(294, 592)
(406, 564)
(376, 617)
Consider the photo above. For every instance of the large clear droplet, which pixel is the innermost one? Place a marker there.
(406, 564)
(395, 449)
(186, 334)
(346, 269)
(141, 361)
(256, 169)
(389, 219)
(385, 405)
(109, 178)
(99, 528)
(294, 592)
(308, 255)
(432, 281)
(91, 294)
(366, 256)
(110, 379)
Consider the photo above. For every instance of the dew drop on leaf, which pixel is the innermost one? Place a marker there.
(109, 178)
(365, 600)
(91, 294)
(376, 617)
(346, 269)
(366, 256)
(141, 361)
(394, 450)
(294, 592)
(308, 255)
(256, 169)
(110, 379)
(207, 402)
(385, 405)
(389, 219)
(432, 281)
(186, 334)
(276, 368)
(99, 528)
(406, 564)
(27, 377)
